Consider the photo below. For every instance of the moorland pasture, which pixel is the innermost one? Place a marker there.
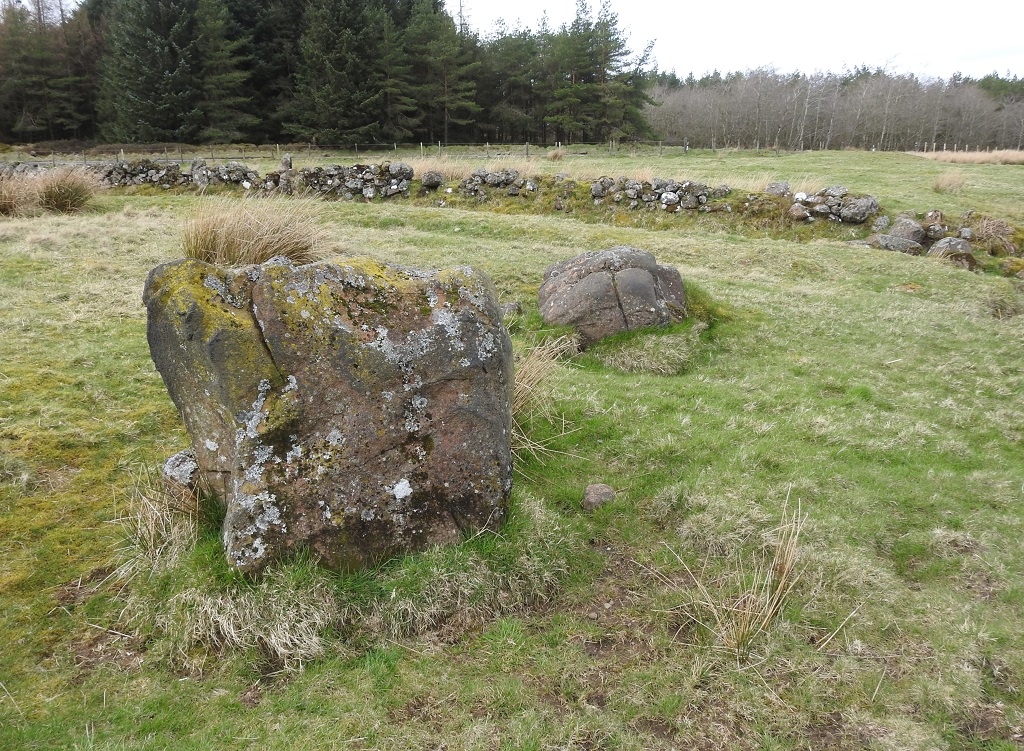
(816, 541)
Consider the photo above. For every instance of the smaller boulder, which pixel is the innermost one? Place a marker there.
(956, 251)
(432, 180)
(836, 191)
(596, 496)
(899, 244)
(857, 210)
(400, 171)
(908, 229)
(605, 292)
(798, 213)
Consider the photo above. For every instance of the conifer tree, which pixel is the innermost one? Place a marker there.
(152, 87)
(336, 100)
(269, 34)
(444, 67)
(395, 105)
(225, 100)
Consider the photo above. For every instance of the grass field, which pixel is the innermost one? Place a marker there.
(816, 541)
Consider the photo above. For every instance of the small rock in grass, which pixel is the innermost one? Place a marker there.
(597, 495)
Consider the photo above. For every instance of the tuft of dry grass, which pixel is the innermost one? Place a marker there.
(66, 189)
(284, 619)
(950, 181)
(1003, 156)
(158, 527)
(535, 371)
(752, 183)
(556, 155)
(252, 230)
(12, 196)
(996, 235)
(738, 608)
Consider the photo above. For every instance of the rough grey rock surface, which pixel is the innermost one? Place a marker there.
(357, 410)
(900, 244)
(856, 210)
(605, 292)
(597, 495)
(955, 250)
(798, 213)
(908, 229)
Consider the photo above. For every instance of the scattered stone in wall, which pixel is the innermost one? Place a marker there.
(364, 182)
(356, 410)
(482, 182)
(167, 175)
(932, 237)
(605, 292)
(834, 204)
(956, 251)
(656, 194)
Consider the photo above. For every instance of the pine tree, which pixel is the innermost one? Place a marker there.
(269, 35)
(152, 87)
(507, 89)
(444, 67)
(396, 107)
(225, 102)
(26, 64)
(336, 100)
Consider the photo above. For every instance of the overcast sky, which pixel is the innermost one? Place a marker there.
(931, 40)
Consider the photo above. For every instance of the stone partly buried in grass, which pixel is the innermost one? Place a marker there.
(353, 409)
(606, 292)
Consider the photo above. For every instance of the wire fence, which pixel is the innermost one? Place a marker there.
(182, 153)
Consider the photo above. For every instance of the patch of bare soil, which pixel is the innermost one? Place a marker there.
(77, 591)
(252, 696)
(103, 646)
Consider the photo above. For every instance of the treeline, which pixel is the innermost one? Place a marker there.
(339, 72)
(863, 109)
(328, 71)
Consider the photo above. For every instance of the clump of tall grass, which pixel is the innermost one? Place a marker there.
(556, 155)
(66, 189)
(1002, 156)
(536, 369)
(736, 609)
(950, 181)
(236, 232)
(159, 526)
(12, 196)
(998, 237)
(283, 620)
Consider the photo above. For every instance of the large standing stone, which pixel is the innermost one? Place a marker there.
(357, 410)
(605, 292)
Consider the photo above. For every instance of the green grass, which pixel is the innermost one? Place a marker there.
(878, 391)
